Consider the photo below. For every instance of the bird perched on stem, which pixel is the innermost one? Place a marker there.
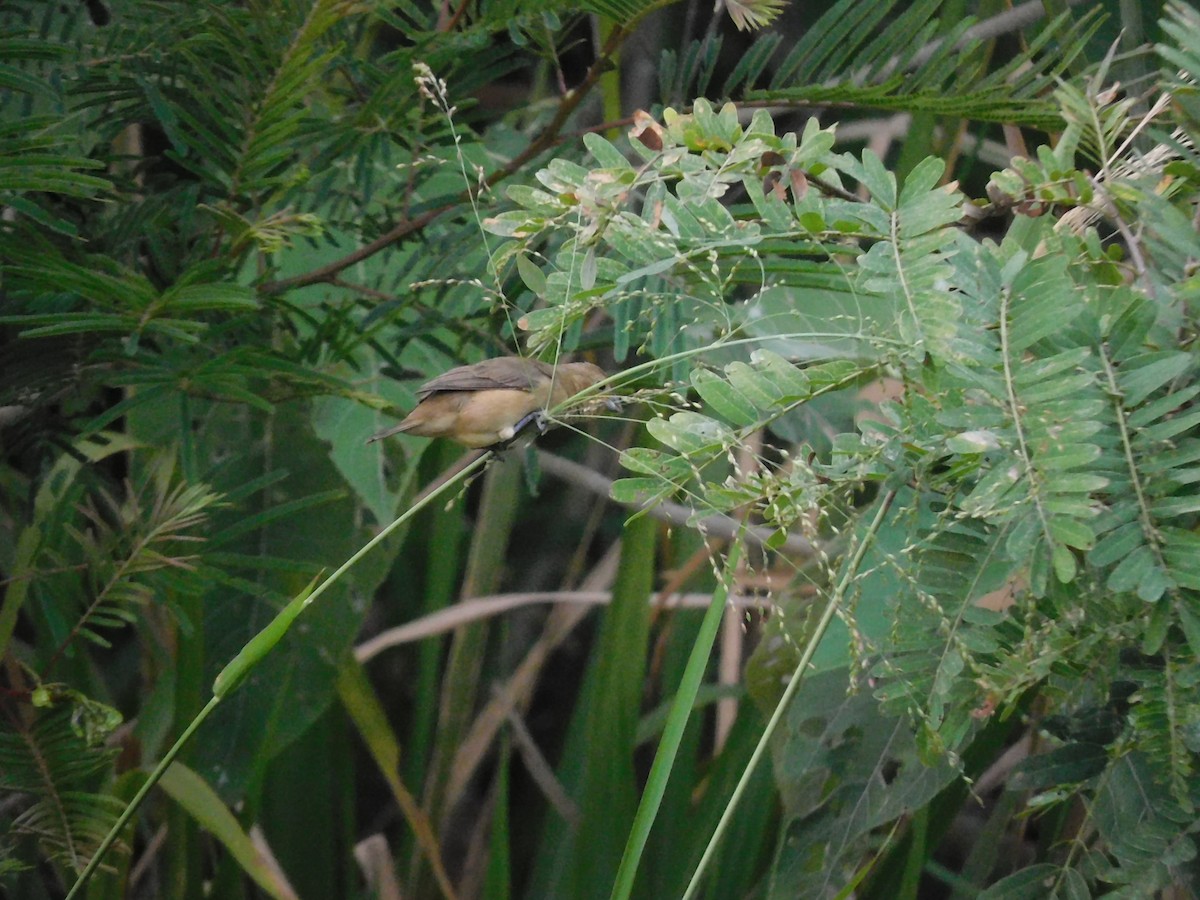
(488, 403)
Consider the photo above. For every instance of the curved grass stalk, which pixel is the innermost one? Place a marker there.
(656, 363)
(251, 655)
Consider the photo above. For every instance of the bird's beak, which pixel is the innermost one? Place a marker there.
(613, 403)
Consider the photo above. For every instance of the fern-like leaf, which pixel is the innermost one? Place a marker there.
(45, 760)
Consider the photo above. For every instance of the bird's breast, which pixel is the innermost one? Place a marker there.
(486, 418)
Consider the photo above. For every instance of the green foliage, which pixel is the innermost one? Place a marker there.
(1044, 445)
(40, 152)
(889, 55)
(847, 771)
(54, 770)
(236, 236)
(135, 323)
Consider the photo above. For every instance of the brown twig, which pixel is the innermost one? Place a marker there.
(457, 17)
(403, 229)
(719, 526)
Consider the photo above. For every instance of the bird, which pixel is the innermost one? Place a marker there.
(486, 404)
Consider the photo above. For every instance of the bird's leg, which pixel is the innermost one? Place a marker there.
(538, 418)
(508, 434)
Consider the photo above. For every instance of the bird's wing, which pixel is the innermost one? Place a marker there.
(505, 373)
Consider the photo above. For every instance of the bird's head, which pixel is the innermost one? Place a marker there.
(575, 377)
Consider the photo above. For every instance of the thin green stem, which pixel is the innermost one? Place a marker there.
(719, 343)
(419, 505)
(250, 655)
(152, 779)
(543, 142)
(1015, 409)
(835, 600)
(1145, 516)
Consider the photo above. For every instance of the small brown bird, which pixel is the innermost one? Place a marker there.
(488, 403)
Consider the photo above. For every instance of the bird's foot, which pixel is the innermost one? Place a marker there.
(537, 418)
(508, 434)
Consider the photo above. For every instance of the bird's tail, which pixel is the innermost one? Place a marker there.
(388, 432)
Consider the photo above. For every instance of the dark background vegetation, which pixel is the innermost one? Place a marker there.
(235, 237)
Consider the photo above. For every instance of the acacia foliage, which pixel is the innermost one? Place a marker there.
(177, 293)
(1041, 459)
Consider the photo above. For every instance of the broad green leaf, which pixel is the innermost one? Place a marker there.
(934, 211)
(1064, 563)
(1037, 880)
(921, 180)
(654, 462)
(1072, 763)
(1062, 458)
(1035, 320)
(791, 384)
(533, 199)
(636, 491)
(1157, 409)
(533, 277)
(875, 178)
(209, 811)
(724, 400)
(608, 156)
(1030, 372)
(1076, 482)
(1170, 507)
(1143, 375)
(1131, 570)
(1117, 544)
(1072, 532)
(755, 388)
(691, 433)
